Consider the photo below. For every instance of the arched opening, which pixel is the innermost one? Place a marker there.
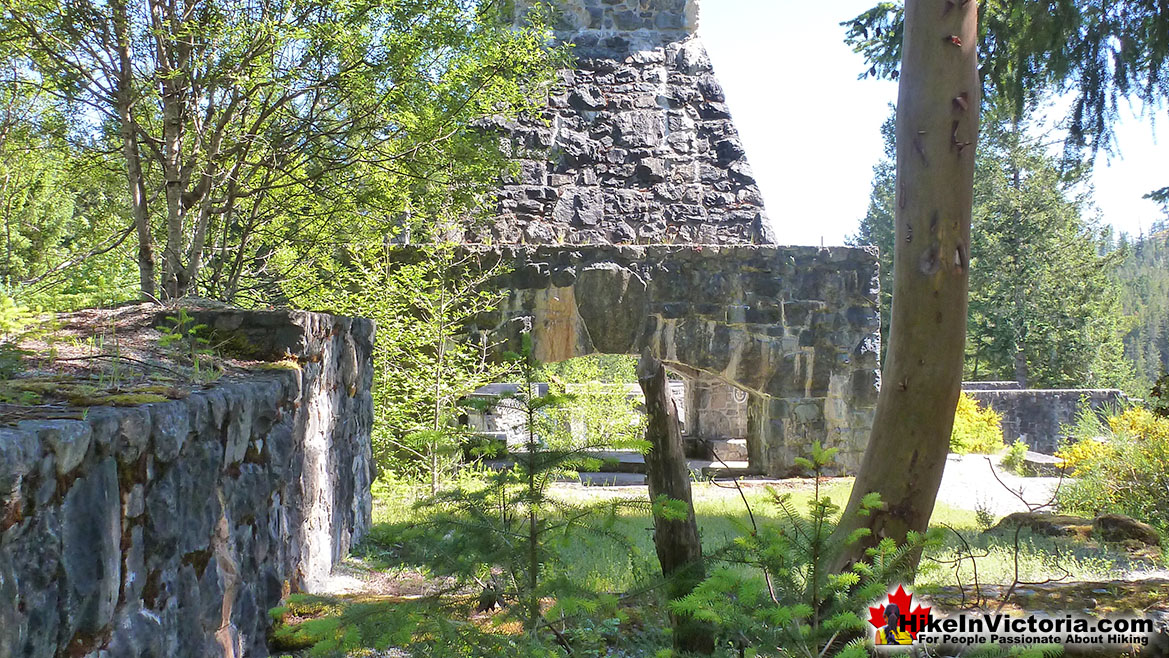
(795, 329)
(607, 400)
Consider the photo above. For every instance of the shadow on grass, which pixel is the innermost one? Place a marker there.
(399, 539)
(452, 584)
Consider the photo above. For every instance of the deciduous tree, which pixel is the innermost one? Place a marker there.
(937, 125)
(246, 127)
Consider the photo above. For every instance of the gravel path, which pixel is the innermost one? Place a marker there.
(968, 483)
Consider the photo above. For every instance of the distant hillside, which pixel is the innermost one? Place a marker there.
(1144, 279)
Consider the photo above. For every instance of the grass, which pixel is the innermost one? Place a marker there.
(414, 605)
(602, 563)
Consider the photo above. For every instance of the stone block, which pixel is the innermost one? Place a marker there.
(20, 451)
(91, 523)
(133, 434)
(241, 414)
(587, 98)
(170, 427)
(69, 440)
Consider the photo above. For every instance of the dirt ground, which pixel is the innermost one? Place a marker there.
(124, 356)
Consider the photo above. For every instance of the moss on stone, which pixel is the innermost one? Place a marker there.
(17, 395)
(115, 399)
(283, 364)
(160, 389)
(40, 386)
(30, 390)
(35, 390)
(234, 344)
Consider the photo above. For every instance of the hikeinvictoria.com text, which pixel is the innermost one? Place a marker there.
(968, 629)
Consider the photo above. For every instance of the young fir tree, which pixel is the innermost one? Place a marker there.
(424, 361)
(503, 535)
(793, 604)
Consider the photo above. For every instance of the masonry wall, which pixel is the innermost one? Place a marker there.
(169, 529)
(794, 327)
(636, 144)
(715, 409)
(1037, 415)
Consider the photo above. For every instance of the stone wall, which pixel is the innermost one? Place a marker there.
(796, 327)
(636, 145)
(714, 409)
(169, 529)
(991, 386)
(1037, 415)
(591, 25)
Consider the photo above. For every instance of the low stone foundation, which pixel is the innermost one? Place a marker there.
(1037, 415)
(169, 529)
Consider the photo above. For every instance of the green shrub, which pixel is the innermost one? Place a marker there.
(17, 323)
(1159, 396)
(976, 429)
(1013, 461)
(1127, 473)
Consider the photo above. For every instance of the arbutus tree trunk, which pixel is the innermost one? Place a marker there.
(676, 537)
(937, 127)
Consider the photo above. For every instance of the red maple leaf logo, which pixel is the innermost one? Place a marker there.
(912, 622)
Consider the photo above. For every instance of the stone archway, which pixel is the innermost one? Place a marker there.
(795, 327)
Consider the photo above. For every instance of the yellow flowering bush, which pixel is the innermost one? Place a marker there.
(1128, 473)
(976, 429)
(1140, 423)
(1082, 454)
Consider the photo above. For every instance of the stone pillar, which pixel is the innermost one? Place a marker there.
(636, 145)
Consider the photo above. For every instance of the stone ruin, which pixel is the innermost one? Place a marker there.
(793, 328)
(171, 528)
(1041, 417)
(636, 145)
(633, 222)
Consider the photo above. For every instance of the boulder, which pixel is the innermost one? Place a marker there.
(1047, 523)
(1121, 529)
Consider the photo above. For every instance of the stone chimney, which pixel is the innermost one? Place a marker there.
(633, 24)
(636, 145)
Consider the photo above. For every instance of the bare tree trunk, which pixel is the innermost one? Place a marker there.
(173, 76)
(135, 178)
(937, 125)
(678, 546)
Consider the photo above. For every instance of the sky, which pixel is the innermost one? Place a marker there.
(811, 129)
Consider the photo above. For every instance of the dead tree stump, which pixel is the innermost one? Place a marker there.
(675, 537)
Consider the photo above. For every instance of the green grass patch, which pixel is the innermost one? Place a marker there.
(602, 563)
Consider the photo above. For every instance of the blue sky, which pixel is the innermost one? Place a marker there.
(812, 129)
